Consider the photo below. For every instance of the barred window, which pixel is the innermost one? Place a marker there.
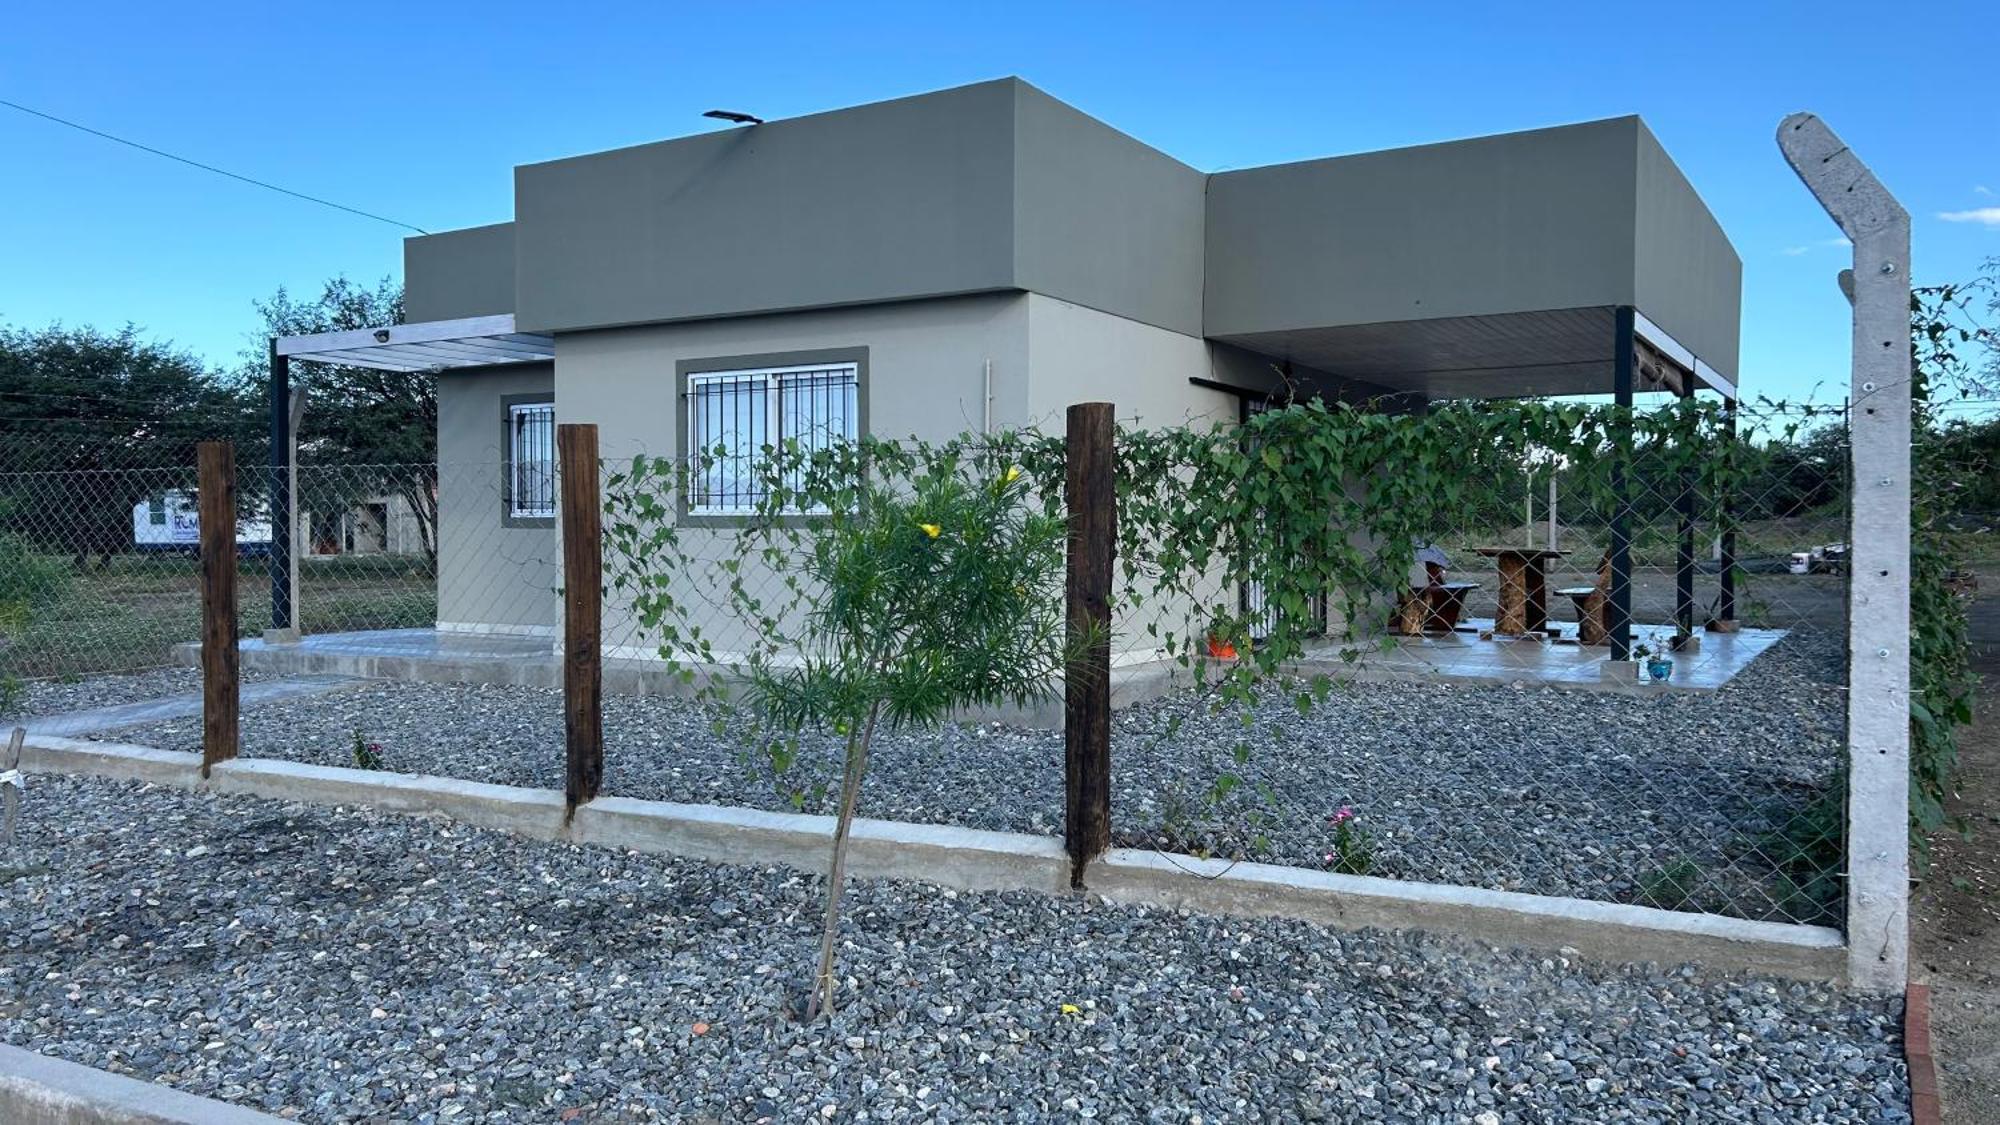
(531, 460)
(733, 416)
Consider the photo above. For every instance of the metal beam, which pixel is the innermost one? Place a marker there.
(283, 519)
(419, 333)
(1725, 607)
(1624, 358)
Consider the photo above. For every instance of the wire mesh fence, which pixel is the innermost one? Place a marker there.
(1442, 706)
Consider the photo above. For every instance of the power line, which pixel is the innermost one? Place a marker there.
(211, 168)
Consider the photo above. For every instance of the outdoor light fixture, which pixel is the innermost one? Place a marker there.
(381, 335)
(734, 117)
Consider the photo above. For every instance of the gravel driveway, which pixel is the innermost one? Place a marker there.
(349, 965)
(1533, 789)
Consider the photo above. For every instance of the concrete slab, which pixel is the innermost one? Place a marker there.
(444, 656)
(1462, 657)
(257, 694)
(38, 1090)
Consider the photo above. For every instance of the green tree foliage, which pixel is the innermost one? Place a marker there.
(1952, 470)
(927, 582)
(84, 411)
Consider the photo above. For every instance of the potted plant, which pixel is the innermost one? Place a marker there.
(1220, 647)
(1655, 666)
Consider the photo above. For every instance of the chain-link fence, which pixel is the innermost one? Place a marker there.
(1463, 720)
(1393, 662)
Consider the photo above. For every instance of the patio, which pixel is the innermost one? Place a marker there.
(1473, 654)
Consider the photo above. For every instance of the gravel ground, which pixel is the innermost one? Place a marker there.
(1533, 789)
(53, 697)
(347, 965)
(59, 696)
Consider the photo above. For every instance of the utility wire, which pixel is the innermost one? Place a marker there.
(211, 168)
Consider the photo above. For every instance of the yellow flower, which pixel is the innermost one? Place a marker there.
(931, 529)
(1071, 1010)
(1013, 474)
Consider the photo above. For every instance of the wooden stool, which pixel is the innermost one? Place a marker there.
(1590, 602)
(1432, 609)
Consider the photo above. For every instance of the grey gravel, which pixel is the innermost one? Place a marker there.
(347, 965)
(55, 696)
(62, 695)
(1540, 790)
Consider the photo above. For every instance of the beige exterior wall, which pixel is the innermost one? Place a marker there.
(491, 576)
(1080, 354)
(925, 378)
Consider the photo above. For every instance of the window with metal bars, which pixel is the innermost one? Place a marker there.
(734, 416)
(531, 460)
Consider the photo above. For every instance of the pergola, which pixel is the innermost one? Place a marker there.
(430, 346)
(1610, 349)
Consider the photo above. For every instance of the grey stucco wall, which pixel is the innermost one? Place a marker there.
(899, 199)
(1690, 280)
(983, 188)
(1103, 220)
(1533, 220)
(459, 273)
(490, 575)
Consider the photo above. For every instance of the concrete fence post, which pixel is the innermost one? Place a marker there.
(1878, 619)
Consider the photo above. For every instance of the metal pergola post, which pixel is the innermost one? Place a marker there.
(283, 519)
(1684, 546)
(1624, 360)
(1725, 606)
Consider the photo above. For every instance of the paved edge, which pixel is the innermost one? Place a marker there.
(973, 859)
(39, 1090)
(1925, 1108)
(1602, 931)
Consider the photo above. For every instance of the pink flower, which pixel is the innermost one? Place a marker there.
(1342, 817)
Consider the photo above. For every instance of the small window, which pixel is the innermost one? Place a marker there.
(531, 460)
(740, 413)
(156, 511)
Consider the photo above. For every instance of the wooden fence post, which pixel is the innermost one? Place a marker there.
(583, 592)
(216, 508)
(10, 789)
(1093, 530)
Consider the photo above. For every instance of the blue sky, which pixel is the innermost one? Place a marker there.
(420, 112)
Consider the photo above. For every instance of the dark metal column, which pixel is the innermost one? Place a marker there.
(1684, 508)
(283, 519)
(1725, 608)
(1619, 612)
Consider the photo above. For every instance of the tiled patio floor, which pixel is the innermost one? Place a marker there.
(1464, 656)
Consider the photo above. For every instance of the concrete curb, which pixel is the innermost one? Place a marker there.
(38, 1090)
(1606, 931)
(961, 858)
(971, 859)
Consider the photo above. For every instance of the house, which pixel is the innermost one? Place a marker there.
(981, 257)
(169, 521)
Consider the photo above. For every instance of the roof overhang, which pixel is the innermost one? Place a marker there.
(432, 345)
(1547, 352)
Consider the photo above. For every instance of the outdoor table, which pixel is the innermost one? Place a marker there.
(1524, 588)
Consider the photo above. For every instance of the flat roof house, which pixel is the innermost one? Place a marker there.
(985, 256)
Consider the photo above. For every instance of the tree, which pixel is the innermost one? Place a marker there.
(95, 423)
(925, 581)
(366, 432)
(919, 605)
